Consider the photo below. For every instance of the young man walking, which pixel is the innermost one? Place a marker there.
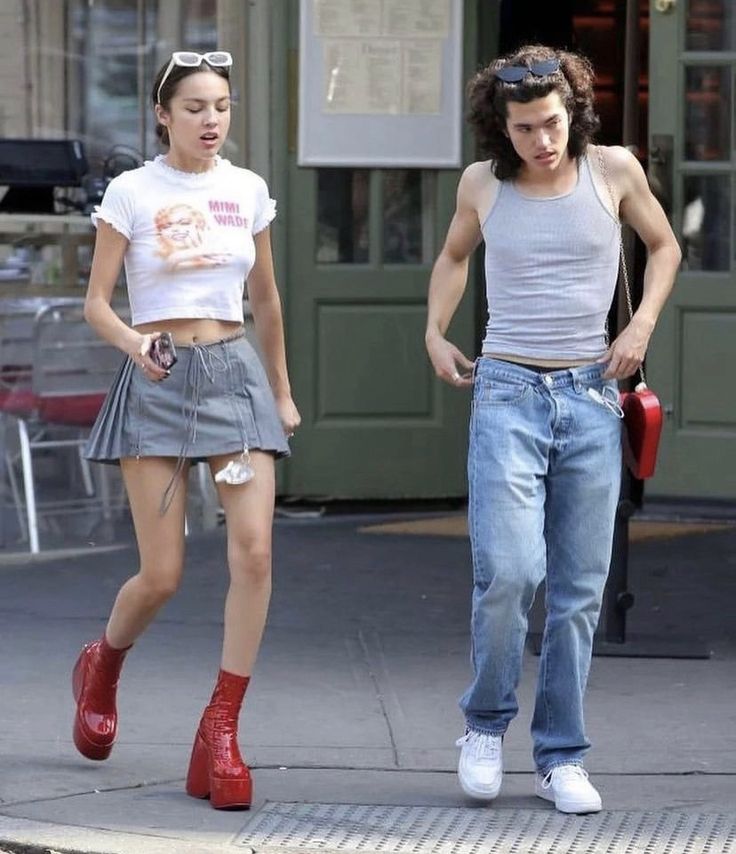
(545, 434)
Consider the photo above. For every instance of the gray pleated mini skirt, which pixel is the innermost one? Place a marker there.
(217, 401)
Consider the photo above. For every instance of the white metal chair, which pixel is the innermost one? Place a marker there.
(72, 370)
(16, 396)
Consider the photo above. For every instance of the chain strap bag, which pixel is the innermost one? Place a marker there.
(642, 408)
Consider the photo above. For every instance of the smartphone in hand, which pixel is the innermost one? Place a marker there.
(163, 352)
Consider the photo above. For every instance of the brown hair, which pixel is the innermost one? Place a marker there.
(488, 97)
(168, 90)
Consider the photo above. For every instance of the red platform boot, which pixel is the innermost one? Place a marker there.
(216, 769)
(94, 683)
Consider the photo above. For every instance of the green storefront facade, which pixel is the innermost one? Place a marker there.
(354, 245)
(377, 424)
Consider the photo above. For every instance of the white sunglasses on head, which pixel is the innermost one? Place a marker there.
(190, 59)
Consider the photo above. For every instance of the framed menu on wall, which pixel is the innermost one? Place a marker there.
(380, 83)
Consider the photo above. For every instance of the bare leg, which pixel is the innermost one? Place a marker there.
(249, 516)
(216, 769)
(160, 545)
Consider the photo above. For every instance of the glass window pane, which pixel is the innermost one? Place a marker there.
(406, 208)
(104, 74)
(200, 24)
(706, 222)
(116, 47)
(711, 25)
(342, 216)
(708, 113)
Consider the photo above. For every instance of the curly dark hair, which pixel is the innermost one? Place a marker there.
(168, 90)
(488, 97)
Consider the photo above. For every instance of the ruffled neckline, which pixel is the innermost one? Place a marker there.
(192, 178)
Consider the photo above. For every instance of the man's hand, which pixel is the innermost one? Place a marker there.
(626, 353)
(449, 363)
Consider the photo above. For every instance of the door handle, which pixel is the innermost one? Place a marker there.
(660, 169)
(657, 156)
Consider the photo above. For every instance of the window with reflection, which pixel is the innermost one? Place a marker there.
(199, 24)
(708, 113)
(83, 70)
(407, 231)
(706, 222)
(711, 25)
(109, 70)
(343, 203)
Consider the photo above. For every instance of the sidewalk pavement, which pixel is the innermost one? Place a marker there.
(354, 702)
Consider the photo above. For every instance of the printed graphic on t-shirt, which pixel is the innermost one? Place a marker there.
(186, 240)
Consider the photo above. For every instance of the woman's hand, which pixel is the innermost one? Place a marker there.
(139, 351)
(450, 364)
(288, 413)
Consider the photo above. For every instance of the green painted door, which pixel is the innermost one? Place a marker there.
(692, 156)
(360, 244)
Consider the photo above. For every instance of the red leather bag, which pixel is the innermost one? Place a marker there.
(643, 423)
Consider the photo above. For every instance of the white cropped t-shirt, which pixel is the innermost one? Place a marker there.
(190, 237)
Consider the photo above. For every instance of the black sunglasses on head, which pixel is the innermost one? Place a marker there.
(516, 73)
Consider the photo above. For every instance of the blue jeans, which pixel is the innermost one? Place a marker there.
(544, 472)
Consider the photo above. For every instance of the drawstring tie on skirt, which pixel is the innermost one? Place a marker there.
(203, 366)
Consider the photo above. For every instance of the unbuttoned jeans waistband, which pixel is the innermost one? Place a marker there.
(558, 378)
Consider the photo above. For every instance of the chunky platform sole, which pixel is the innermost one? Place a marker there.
(85, 745)
(224, 793)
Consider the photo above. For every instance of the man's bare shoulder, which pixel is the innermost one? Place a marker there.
(624, 171)
(476, 184)
(478, 174)
(619, 161)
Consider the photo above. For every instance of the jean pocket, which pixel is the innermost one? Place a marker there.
(497, 392)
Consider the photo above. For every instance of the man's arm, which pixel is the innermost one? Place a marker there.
(449, 278)
(644, 214)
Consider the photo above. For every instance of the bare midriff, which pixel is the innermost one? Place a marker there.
(192, 330)
(542, 363)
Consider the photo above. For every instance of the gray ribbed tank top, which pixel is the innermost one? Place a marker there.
(551, 268)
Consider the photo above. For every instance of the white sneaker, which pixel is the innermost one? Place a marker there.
(569, 788)
(480, 769)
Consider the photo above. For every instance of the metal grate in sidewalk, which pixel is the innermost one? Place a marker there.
(282, 828)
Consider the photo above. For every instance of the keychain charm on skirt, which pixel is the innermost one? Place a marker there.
(237, 471)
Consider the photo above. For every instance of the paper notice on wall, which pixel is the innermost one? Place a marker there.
(421, 87)
(382, 76)
(347, 18)
(412, 18)
(382, 56)
(389, 18)
(362, 76)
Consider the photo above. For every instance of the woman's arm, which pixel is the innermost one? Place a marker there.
(265, 304)
(107, 262)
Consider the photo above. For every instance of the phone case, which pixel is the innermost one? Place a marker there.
(163, 352)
